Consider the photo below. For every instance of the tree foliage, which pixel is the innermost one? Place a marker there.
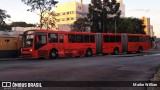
(41, 5)
(99, 13)
(49, 20)
(3, 16)
(21, 24)
(126, 25)
(81, 25)
(104, 17)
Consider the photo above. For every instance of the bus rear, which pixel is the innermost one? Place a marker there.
(135, 43)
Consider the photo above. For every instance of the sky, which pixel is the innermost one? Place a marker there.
(134, 8)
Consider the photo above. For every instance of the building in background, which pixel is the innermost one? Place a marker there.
(122, 7)
(20, 30)
(69, 12)
(151, 31)
(146, 22)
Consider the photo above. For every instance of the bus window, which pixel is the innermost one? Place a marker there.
(112, 39)
(28, 40)
(148, 39)
(53, 38)
(92, 38)
(71, 38)
(118, 38)
(106, 38)
(41, 40)
(79, 38)
(61, 38)
(140, 39)
(86, 38)
(130, 39)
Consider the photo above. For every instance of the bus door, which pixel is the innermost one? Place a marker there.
(148, 43)
(99, 41)
(61, 45)
(124, 43)
(40, 44)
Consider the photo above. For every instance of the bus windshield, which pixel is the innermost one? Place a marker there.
(28, 40)
(28, 37)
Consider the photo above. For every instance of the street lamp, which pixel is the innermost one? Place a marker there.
(115, 26)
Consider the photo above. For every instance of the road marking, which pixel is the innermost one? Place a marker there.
(152, 55)
(157, 55)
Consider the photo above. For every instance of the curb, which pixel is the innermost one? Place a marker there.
(120, 55)
(10, 59)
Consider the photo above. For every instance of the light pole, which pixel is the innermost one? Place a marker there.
(115, 26)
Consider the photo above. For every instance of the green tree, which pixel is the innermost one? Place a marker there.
(41, 5)
(3, 16)
(81, 25)
(21, 24)
(126, 25)
(99, 13)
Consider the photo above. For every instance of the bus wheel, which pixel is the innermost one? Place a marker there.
(53, 54)
(140, 50)
(116, 51)
(88, 52)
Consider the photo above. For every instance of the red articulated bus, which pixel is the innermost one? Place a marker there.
(53, 44)
(135, 43)
(108, 43)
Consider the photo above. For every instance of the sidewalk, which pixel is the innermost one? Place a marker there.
(9, 59)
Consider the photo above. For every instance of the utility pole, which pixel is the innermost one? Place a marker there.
(115, 26)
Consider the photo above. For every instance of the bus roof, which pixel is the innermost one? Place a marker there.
(52, 31)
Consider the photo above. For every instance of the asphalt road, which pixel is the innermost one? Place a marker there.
(96, 68)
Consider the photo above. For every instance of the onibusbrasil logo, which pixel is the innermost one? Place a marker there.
(20, 84)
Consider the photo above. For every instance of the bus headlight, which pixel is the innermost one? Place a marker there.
(30, 50)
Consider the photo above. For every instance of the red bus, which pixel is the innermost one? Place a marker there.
(109, 43)
(53, 44)
(135, 43)
(121, 43)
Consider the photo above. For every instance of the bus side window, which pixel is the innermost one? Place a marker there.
(112, 38)
(79, 38)
(148, 39)
(53, 38)
(141, 39)
(106, 39)
(71, 38)
(130, 39)
(86, 38)
(61, 38)
(92, 39)
(118, 38)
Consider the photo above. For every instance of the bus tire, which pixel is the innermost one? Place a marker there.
(116, 51)
(140, 50)
(88, 52)
(53, 54)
